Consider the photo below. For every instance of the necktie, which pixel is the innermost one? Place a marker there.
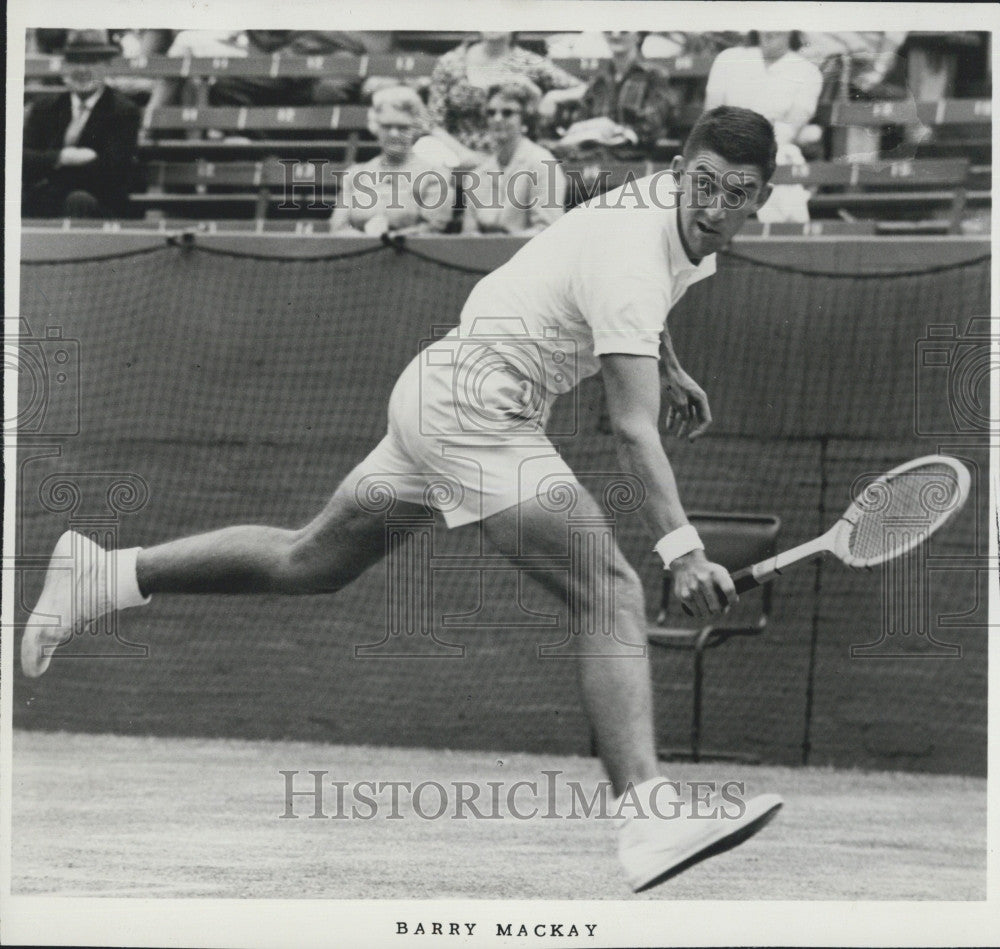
(81, 112)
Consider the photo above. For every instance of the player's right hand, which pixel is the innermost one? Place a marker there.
(703, 588)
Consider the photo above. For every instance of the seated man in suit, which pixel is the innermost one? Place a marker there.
(80, 145)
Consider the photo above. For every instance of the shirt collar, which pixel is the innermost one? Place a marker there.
(91, 100)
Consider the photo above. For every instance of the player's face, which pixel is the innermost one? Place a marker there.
(396, 132)
(503, 120)
(717, 198)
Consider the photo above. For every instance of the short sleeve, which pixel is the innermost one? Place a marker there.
(625, 305)
(631, 322)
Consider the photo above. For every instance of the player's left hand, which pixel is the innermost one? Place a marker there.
(687, 406)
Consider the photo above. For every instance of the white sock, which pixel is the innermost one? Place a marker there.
(127, 592)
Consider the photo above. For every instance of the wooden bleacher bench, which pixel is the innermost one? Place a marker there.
(809, 229)
(408, 66)
(258, 118)
(677, 67)
(907, 112)
(277, 66)
(257, 186)
(340, 133)
(253, 186)
(420, 65)
(875, 174)
(881, 185)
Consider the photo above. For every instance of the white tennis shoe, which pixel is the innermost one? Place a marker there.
(654, 849)
(83, 583)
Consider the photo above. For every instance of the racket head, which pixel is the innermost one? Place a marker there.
(900, 510)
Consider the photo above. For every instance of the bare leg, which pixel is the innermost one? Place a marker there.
(341, 543)
(616, 688)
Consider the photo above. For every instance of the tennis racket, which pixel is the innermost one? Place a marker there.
(889, 517)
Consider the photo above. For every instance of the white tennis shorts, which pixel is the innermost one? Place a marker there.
(466, 437)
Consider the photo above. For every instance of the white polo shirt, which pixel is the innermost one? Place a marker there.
(599, 280)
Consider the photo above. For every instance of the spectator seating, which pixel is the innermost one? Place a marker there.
(242, 188)
(401, 65)
(889, 188)
(336, 133)
(323, 120)
(907, 112)
(913, 185)
(420, 65)
(417, 66)
(236, 171)
(406, 66)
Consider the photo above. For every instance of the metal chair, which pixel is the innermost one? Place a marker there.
(735, 541)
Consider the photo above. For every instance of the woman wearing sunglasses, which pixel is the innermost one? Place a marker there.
(520, 188)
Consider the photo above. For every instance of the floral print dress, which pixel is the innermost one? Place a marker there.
(458, 89)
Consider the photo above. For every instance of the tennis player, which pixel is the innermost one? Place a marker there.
(467, 435)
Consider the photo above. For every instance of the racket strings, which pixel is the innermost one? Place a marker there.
(902, 510)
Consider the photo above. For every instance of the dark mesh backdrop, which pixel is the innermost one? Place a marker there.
(242, 389)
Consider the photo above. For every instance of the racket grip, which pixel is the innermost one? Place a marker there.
(744, 580)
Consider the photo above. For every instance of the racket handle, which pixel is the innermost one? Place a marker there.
(744, 580)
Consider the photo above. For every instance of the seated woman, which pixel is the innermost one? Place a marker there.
(520, 189)
(463, 77)
(397, 191)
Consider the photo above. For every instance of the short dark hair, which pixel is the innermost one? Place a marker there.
(740, 136)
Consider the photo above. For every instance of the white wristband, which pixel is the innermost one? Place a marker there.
(678, 543)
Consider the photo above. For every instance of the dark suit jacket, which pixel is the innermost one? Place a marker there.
(112, 131)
